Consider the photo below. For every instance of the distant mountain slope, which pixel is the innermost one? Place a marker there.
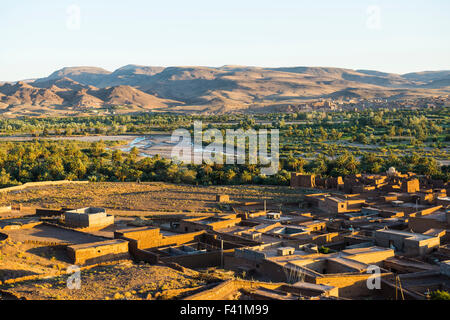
(135, 88)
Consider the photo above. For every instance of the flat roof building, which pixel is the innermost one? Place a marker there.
(408, 243)
(88, 218)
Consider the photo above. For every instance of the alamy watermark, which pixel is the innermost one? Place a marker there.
(74, 280)
(374, 281)
(373, 21)
(228, 149)
(73, 21)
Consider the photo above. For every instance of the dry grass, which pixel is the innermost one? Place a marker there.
(131, 198)
(19, 259)
(120, 281)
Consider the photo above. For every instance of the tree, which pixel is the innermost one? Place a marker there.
(440, 295)
(5, 179)
(246, 177)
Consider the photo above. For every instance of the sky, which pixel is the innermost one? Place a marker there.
(39, 37)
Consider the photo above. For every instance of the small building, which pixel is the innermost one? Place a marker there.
(222, 198)
(408, 243)
(303, 180)
(331, 204)
(285, 251)
(97, 252)
(88, 218)
(208, 223)
(273, 215)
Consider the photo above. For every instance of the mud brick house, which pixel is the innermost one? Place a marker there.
(97, 252)
(88, 218)
(438, 219)
(406, 243)
(411, 186)
(222, 198)
(334, 204)
(208, 223)
(303, 180)
(345, 270)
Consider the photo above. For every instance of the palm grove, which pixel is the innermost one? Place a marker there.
(327, 144)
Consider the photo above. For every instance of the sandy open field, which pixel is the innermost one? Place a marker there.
(125, 280)
(145, 198)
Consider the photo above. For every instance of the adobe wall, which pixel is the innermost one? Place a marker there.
(427, 211)
(235, 239)
(376, 257)
(382, 239)
(98, 251)
(88, 220)
(302, 180)
(411, 186)
(390, 291)
(199, 260)
(142, 233)
(334, 266)
(228, 287)
(420, 224)
(212, 239)
(40, 184)
(228, 223)
(48, 212)
(350, 286)
(310, 292)
(146, 238)
(261, 267)
(143, 255)
(422, 247)
(272, 270)
(322, 239)
(222, 198)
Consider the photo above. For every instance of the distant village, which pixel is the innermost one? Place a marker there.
(322, 247)
(355, 104)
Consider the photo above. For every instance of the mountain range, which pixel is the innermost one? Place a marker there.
(133, 88)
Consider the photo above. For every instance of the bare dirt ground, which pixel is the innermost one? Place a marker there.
(145, 198)
(126, 280)
(18, 259)
(129, 202)
(50, 234)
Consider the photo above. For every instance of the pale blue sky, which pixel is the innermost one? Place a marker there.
(410, 36)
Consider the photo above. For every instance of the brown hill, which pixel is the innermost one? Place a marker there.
(22, 93)
(205, 89)
(126, 95)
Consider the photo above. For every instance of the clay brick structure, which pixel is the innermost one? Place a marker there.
(411, 186)
(222, 198)
(150, 237)
(98, 251)
(88, 218)
(345, 270)
(333, 204)
(208, 223)
(303, 180)
(407, 243)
